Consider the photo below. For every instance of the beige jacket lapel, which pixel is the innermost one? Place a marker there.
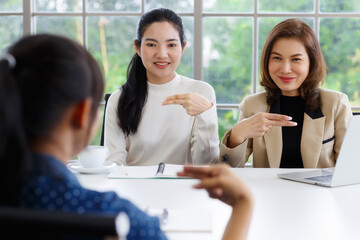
(274, 146)
(311, 140)
(273, 140)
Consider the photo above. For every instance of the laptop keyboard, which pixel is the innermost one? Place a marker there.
(322, 179)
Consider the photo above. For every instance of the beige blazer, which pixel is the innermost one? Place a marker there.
(322, 134)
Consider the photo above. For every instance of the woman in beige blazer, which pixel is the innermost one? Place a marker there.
(294, 123)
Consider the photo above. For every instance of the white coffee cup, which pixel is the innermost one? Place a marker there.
(93, 156)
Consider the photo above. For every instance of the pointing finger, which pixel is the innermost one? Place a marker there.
(168, 102)
(278, 117)
(282, 123)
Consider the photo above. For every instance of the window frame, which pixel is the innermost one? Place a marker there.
(29, 25)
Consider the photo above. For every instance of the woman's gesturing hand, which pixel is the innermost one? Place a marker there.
(193, 103)
(220, 182)
(256, 126)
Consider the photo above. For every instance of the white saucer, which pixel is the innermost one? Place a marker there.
(76, 166)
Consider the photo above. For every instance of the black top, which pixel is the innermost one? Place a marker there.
(291, 153)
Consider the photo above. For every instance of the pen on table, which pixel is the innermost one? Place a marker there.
(164, 217)
(163, 214)
(161, 168)
(124, 169)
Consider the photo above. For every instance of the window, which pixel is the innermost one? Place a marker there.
(225, 38)
(11, 17)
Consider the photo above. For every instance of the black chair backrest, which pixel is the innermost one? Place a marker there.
(106, 98)
(23, 223)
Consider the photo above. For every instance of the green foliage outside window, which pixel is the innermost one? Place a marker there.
(7, 37)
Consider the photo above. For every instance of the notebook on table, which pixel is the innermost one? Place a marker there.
(347, 168)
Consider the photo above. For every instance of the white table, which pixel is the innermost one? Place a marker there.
(283, 209)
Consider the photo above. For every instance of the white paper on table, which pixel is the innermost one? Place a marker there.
(145, 171)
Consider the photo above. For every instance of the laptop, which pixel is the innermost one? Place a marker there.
(347, 167)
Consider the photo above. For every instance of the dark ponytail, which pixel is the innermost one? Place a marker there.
(14, 151)
(134, 91)
(133, 96)
(51, 74)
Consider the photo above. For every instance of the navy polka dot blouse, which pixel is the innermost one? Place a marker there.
(51, 186)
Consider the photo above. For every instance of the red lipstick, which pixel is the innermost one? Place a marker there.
(287, 79)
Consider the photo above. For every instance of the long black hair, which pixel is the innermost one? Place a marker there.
(134, 91)
(40, 77)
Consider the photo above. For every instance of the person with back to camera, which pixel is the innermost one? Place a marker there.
(294, 123)
(50, 90)
(158, 115)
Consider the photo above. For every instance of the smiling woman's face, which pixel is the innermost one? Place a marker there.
(160, 51)
(289, 65)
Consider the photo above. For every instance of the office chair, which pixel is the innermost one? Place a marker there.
(106, 98)
(21, 223)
